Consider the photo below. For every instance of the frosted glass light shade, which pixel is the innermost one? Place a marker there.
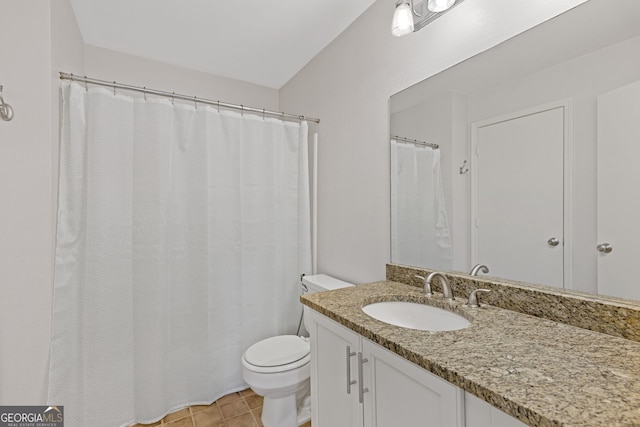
(402, 22)
(440, 5)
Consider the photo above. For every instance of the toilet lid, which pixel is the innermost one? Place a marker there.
(277, 351)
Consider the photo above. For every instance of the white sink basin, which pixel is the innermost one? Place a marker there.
(415, 316)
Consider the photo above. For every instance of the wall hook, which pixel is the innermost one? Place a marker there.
(464, 168)
(6, 112)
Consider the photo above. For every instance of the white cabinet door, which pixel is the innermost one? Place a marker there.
(333, 404)
(479, 413)
(403, 394)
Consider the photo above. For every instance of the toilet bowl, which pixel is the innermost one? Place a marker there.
(278, 368)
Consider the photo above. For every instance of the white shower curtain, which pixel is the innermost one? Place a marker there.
(419, 226)
(182, 233)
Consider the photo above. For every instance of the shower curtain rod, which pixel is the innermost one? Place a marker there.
(194, 99)
(415, 141)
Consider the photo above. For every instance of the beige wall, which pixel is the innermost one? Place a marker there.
(348, 86)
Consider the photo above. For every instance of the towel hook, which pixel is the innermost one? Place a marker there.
(6, 111)
(464, 168)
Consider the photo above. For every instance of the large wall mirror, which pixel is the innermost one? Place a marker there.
(536, 172)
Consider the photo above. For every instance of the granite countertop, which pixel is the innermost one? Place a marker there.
(542, 372)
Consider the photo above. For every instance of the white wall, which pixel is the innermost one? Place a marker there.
(38, 38)
(348, 86)
(111, 65)
(25, 195)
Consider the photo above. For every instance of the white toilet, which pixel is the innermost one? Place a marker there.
(278, 368)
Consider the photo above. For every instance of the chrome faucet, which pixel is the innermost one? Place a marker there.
(479, 267)
(447, 292)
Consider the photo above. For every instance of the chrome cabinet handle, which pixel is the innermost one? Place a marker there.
(605, 248)
(554, 241)
(350, 382)
(361, 389)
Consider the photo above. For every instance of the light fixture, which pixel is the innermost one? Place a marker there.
(402, 23)
(440, 5)
(407, 19)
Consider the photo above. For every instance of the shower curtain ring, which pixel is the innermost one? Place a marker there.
(195, 102)
(241, 110)
(86, 86)
(218, 106)
(173, 98)
(144, 93)
(263, 111)
(114, 88)
(282, 117)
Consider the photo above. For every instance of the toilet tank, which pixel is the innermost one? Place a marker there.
(322, 282)
(319, 283)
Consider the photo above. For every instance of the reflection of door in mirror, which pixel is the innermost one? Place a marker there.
(419, 227)
(618, 199)
(517, 195)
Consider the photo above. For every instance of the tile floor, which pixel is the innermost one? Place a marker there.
(241, 409)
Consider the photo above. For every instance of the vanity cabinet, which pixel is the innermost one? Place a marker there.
(355, 382)
(334, 403)
(479, 413)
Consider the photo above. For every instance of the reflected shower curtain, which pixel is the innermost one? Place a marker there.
(182, 233)
(419, 227)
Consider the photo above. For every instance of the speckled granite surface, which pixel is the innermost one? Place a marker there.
(609, 315)
(542, 372)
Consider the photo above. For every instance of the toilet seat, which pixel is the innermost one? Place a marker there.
(277, 354)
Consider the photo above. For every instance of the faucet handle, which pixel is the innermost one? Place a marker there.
(477, 268)
(427, 285)
(473, 298)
